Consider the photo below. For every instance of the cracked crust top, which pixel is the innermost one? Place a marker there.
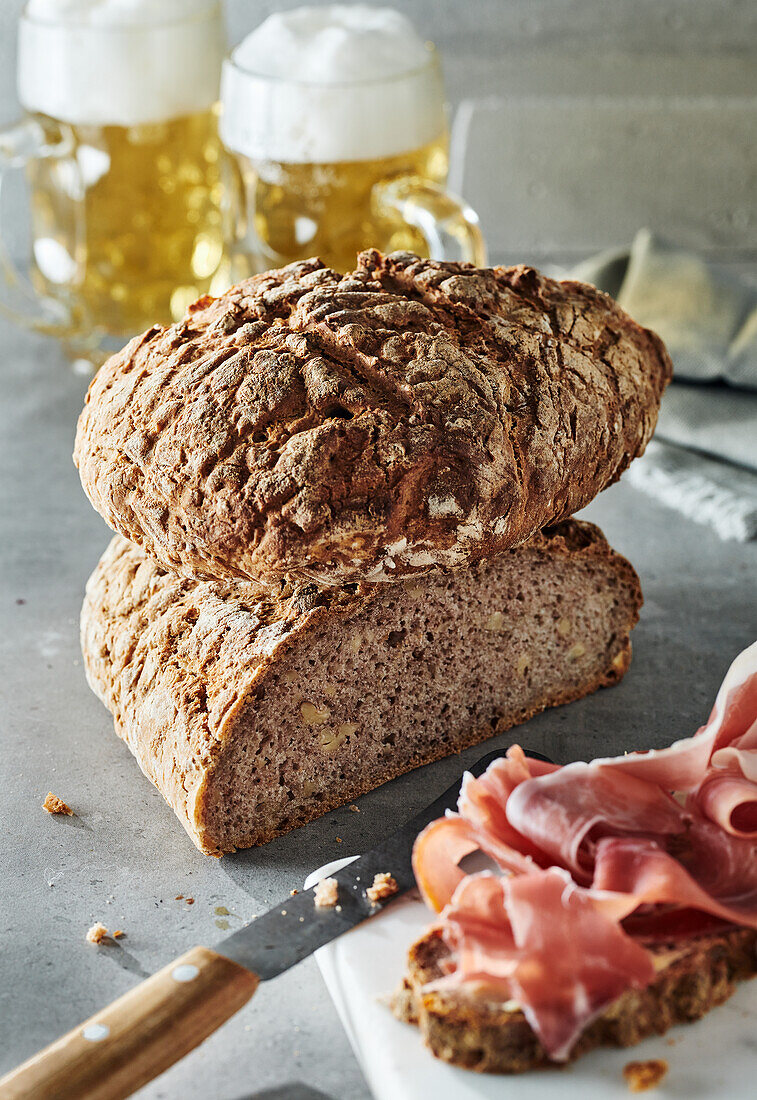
(407, 415)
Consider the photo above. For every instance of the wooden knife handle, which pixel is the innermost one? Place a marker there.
(139, 1036)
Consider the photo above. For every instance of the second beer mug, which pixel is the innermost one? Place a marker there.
(121, 153)
(336, 115)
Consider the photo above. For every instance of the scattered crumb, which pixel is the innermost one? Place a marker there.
(339, 840)
(55, 805)
(190, 901)
(179, 897)
(97, 933)
(641, 1076)
(383, 886)
(293, 892)
(355, 809)
(118, 933)
(326, 893)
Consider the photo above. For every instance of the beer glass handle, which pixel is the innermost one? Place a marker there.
(449, 226)
(19, 300)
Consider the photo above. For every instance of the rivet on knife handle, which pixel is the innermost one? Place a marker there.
(140, 1035)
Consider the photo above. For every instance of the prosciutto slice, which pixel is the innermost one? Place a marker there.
(596, 860)
(683, 766)
(563, 814)
(721, 881)
(555, 947)
(481, 824)
(731, 802)
(575, 959)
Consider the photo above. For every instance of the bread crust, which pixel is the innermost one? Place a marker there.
(406, 416)
(181, 663)
(489, 1037)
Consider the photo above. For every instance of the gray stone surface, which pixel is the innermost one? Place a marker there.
(124, 857)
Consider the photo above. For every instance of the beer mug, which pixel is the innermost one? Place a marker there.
(121, 155)
(336, 118)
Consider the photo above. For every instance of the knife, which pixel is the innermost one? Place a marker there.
(148, 1029)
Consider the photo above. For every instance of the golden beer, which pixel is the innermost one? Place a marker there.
(143, 222)
(330, 210)
(336, 119)
(121, 152)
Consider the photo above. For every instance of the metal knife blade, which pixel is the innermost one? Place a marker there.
(295, 928)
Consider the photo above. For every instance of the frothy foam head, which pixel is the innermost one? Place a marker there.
(334, 83)
(119, 62)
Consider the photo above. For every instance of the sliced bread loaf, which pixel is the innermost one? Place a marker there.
(254, 714)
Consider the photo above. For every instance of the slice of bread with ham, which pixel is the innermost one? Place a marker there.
(622, 899)
(492, 1036)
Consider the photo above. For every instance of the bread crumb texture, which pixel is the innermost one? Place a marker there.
(383, 886)
(326, 893)
(55, 805)
(97, 933)
(641, 1076)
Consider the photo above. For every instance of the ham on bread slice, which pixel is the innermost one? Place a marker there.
(599, 868)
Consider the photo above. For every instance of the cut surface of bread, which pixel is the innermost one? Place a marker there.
(253, 715)
(494, 1037)
(408, 415)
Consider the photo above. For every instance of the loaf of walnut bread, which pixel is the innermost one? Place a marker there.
(405, 416)
(253, 714)
(693, 976)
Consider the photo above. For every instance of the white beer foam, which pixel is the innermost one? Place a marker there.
(119, 62)
(332, 83)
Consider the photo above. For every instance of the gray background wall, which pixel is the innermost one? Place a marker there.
(643, 87)
(546, 46)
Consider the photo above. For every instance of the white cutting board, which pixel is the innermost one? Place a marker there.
(713, 1058)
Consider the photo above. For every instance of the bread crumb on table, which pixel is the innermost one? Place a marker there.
(97, 933)
(55, 805)
(383, 886)
(355, 809)
(326, 893)
(641, 1076)
(118, 933)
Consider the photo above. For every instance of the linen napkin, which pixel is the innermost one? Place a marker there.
(707, 316)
